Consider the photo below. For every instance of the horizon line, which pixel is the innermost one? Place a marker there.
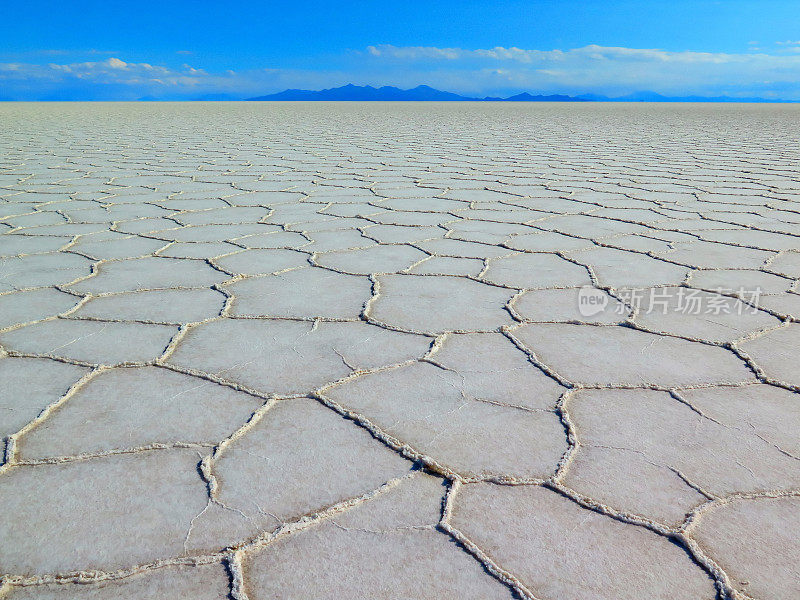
(425, 93)
(469, 101)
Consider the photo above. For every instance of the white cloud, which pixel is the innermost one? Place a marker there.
(590, 52)
(113, 78)
(611, 69)
(109, 68)
(116, 63)
(415, 52)
(431, 52)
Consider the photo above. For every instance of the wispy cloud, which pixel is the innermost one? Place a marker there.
(591, 52)
(613, 69)
(109, 78)
(416, 52)
(117, 79)
(111, 70)
(789, 46)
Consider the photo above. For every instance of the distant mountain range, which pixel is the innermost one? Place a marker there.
(425, 93)
(421, 93)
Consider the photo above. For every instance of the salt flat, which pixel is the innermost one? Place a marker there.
(399, 351)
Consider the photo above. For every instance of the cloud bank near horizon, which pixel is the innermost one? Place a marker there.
(612, 70)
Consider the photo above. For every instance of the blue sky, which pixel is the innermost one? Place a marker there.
(191, 49)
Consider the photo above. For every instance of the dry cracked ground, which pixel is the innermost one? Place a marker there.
(337, 351)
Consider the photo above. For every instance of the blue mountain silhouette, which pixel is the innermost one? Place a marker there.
(422, 93)
(366, 92)
(362, 93)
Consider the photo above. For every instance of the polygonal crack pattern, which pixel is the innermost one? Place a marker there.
(340, 352)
